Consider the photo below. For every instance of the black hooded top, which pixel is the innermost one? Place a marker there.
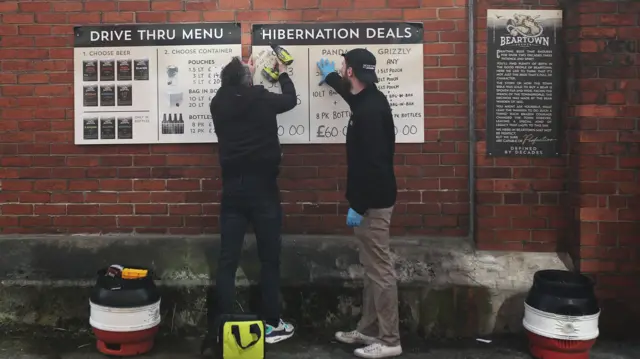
(245, 122)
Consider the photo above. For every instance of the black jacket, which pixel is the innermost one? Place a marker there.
(371, 138)
(245, 123)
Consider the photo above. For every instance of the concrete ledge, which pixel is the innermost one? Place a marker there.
(446, 288)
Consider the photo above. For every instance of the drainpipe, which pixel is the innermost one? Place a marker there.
(471, 10)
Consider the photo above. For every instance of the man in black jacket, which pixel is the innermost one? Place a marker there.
(244, 117)
(371, 192)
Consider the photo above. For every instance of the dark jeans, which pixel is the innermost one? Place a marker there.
(254, 200)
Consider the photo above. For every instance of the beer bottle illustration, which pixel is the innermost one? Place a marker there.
(165, 124)
(172, 125)
(181, 125)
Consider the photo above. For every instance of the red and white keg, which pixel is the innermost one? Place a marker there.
(125, 311)
(561, 315)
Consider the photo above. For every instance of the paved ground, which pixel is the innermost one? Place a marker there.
(21, 346)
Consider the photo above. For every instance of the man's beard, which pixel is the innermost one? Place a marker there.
(346, 84)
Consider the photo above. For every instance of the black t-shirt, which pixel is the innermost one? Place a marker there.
(371, 138)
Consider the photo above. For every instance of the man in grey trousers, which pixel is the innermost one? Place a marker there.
(371, 192)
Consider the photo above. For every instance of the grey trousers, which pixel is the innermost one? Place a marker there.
(380, 297)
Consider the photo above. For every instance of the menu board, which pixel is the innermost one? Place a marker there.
(149, 83)
(524, 82)
(321, 115)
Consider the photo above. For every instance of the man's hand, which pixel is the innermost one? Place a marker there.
(252, 64)
(325, 68)
(281, 67)
(353, 218)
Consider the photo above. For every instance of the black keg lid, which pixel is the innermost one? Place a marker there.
(563, 278)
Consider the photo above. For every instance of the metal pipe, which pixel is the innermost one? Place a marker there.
(471, 9)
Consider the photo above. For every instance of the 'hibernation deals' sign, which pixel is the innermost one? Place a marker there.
(321, 115)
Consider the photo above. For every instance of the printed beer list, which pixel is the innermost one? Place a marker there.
(143, 84)
(321, 115)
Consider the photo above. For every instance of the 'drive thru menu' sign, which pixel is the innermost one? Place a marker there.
(523, 83)
(149, 83)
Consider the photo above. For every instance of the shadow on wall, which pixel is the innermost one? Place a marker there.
(510, 315)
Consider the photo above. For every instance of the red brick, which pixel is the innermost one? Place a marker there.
(36, 6)
(84, 18)
(51, 18)
(151, 209)
(16, 209)
(100, 6)
(17, 18)
(372, 14)
(33, 79)
(50, 185)
(17, 41)
(50, 209)
(172, 5)
(421, 14)
(619, 19)
(597, 7)
(188, 16)
(185, 209)
(234, 4)
(149, 185)
(201, 5)
(68, 6)
(117, 17)
(403, 3)
(8, 30)
(219, 16)
(319, 15)
(368, 4)
(595, 266)
(116, 184)
(151, 17)
(459, 13)
(252, 15)
(298, 4)
(283, 15)
(335, 4)
(101, 197)
(82, 209)
(598, 32)
(8, 6)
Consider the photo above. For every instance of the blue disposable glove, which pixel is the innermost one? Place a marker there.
(326, 68)
(353, 218)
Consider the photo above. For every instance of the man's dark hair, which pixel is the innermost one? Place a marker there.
(235, 73)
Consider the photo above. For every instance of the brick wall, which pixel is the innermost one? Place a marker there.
(51, 185)
(585, 202)
(604, 153)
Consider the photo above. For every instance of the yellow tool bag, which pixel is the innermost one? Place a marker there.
(241, 337)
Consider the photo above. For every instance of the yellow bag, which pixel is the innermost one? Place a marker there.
(242, 339)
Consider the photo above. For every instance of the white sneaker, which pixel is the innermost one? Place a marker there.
(277, 334)
(354, 337)
(378, 350)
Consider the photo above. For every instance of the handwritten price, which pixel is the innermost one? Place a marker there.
(407, 130)
(294, 130)
(330, 131)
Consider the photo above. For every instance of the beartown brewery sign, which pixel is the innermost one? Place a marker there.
(524, 30)
(523, 82)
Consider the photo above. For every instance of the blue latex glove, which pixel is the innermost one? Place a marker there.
(326, 68)
(353, 218)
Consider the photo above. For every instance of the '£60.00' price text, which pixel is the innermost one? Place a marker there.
(330, 131)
